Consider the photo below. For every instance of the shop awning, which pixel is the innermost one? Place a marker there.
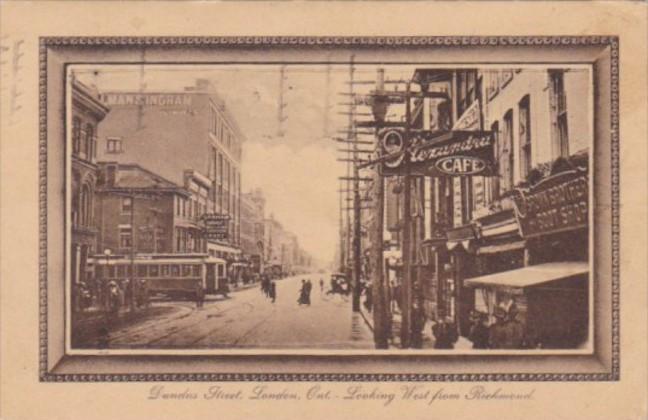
(530, 276)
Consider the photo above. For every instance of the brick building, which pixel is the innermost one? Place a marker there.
(170, 132)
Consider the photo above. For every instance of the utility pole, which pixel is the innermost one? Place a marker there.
(357, 251)
(381, 306)
(406, 316)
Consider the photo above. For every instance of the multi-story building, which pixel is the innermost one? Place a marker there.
(169, 132)
(252, 225)
(479, 239)
(141, 212)
(87, 112)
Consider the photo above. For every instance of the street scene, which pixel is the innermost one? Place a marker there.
(339, 206)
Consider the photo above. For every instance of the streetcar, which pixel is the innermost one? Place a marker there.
(174, 275)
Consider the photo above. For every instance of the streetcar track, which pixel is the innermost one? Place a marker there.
(220, 313)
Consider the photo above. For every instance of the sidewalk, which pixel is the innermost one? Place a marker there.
(428, 339)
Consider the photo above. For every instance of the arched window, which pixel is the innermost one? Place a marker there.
(85, 206)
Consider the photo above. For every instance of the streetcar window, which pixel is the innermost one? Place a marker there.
(220, 270)
(154, 270)
(111, 271)
(141, 271)
(121, 271)
(165, 270)
(99, 271)
(175, 270)
(196, 270)
(186, 270)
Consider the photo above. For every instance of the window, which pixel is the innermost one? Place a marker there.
(175, 270)
(165, 270)
(186, 270)
(85, 206)
(76, 134)
(111, 271)
(126, 205)
(114, 145)
(525, 137)
(121, 271)
(221, 270)
(195, 271)
(506, 156)
(141, 271)
(125, 237)
(558, 102)
(86, 142)
(154, 270)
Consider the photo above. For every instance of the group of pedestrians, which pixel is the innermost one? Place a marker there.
(268, 287)
(507, 332)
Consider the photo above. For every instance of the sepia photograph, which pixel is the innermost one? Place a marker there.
(329, 208)
(318, 209)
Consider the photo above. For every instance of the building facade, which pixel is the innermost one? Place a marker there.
(252, 226)
(87, 112)
(138, 211)
(473, 234)
(195, 129)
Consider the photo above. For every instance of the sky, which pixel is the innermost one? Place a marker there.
(298, 171)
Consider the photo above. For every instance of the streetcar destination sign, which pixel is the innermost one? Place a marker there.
(450, 153)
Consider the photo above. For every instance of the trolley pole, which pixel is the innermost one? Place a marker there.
(406, 316)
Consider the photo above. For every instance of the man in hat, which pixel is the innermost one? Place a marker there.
(514, 329)
(478, 330)
(497, 331)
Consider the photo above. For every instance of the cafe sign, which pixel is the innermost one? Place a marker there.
(556, 204)
(450, 153)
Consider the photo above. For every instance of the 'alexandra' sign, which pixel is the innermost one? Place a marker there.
(556, 204)
(453, 153)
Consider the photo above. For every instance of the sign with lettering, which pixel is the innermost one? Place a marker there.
(216, 226)
(469, 120)
(450, 153)
(556, 204)
(146, 99)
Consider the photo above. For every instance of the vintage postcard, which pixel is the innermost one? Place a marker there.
(295, 221)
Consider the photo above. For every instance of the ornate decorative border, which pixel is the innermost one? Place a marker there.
(357, 42)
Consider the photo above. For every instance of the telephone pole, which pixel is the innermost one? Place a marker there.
(381, 304)
(406, 317)
(281, 102)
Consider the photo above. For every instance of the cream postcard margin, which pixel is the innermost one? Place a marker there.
(22, 396)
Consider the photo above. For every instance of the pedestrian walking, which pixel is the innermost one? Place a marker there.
(302, 293)
(309, 288)
(273, 291)
(418, 324)
(113, 301)
(321, 285)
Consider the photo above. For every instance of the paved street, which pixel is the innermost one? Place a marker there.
(247, 319)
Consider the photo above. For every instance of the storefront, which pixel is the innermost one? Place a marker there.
(552, 300)
(537, 257)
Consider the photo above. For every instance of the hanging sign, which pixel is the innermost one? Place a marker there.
(451, 153)
(216, 226)
(556, 204)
